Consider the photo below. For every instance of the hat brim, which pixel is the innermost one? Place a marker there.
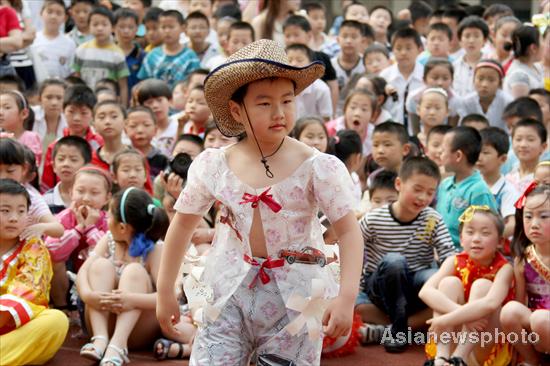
(225, 80)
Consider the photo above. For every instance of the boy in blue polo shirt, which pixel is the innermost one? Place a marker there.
(461, 149)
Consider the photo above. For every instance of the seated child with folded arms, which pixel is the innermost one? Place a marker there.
(30, 333)
(468, 291)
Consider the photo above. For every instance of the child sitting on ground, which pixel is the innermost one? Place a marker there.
(30, 333)
(84, 222)
(468, 291)
(493, 154)
(400, 239)
(117, 280)
(69, 154)
(461, 148)
(531, 310)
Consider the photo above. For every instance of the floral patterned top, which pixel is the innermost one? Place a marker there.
(25, 276)
(321, 182)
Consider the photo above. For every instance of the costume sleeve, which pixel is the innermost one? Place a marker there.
(61, 248)
(28, 292)
(333, 187)
(196, 198)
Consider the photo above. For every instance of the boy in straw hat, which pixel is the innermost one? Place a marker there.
(265, 289)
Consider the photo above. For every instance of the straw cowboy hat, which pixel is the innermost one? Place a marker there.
(259, 60)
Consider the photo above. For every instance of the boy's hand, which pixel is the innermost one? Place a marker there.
(338, 317)
(36, 230)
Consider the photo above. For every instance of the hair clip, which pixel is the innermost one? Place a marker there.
(436, 90)
(151, 209)
(520, 203)
(468, 215)
(123, 203)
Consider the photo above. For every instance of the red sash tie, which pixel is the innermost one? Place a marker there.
(265, 197)
(268, 263)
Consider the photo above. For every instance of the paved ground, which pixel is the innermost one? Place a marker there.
(370, 356)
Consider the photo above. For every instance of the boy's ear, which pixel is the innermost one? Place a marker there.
(406, 149)
(502, 158)
(236, 111)
(398, 184)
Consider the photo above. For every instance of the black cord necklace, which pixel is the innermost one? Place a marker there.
(263, 160)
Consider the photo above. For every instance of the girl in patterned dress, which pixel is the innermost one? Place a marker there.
(531, 310)
(265, 289)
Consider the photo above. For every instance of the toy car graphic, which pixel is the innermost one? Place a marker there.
(308, 255)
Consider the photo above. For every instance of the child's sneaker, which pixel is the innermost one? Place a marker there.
(371, 333)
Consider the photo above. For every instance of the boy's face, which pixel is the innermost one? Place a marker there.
(238, 38)
(383, 196)
(416, 193)
(160, 107)
(440, 76)
(170, 29)
(449, 158)
(66, 162)
(452, 23)
(472, 40)
(271, 109)
(109, 122)
(349, 40)
(486, 82)
(125, 30)
(421, 25)
(317, 20)
(80, 13)
(153, 34)
(100, 27)
(52, 99)
(527, 144)
(140, 129)
(13, 171)
(438, 44)
(434, 147)
(188, 147)
(196, 106)
(78, 118)
(357, 12)
(432, 109)
(489, 161)
(504, 36)
(53, 15)
(297, 58)
(131, 172)
(197, 30)
(204, 6)
(222, 29)
(376, 62)
(380, 20)
(13, 216)
(542, 174)
(387, 150)
(135, 5)
(405, 51)
(296, 35)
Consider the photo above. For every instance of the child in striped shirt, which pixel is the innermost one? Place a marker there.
(400, 239)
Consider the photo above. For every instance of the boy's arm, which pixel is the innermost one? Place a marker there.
(480, 308)
(430, 294)
(52, 227)
(443, 241)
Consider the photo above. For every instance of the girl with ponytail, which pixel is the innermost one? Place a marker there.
(117, 281)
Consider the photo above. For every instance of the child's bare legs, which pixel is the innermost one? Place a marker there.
(452, 288)
(540, 324)
(184, 339)
(134, 279)
(102, 278)
(514, 318)
(372, 314)
(60, 285)
(479, 289)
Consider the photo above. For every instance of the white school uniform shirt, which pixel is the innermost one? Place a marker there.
(508, 196)
(394, 77)
(165, 140)
(314, 101)
(470, 104)
(40, 126)
(458, 54)
(215, 61)
(463, 78)
(52, 58)
(343, 77)
(534, 76)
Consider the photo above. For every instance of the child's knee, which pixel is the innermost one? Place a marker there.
(451, 282)
(480, 288)
(56, 323)
(393, 263)
(511, 313)
(540, 321)
(101, 266)
(134, 272)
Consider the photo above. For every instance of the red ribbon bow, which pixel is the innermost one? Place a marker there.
(520, 203)
(265, 197)
(268, 263)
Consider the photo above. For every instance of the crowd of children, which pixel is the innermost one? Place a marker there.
(171, 179)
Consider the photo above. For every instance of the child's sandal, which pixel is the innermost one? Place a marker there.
(432, 361)
(91, 351)
(184, 350)
(457, 361)
(119, 360)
